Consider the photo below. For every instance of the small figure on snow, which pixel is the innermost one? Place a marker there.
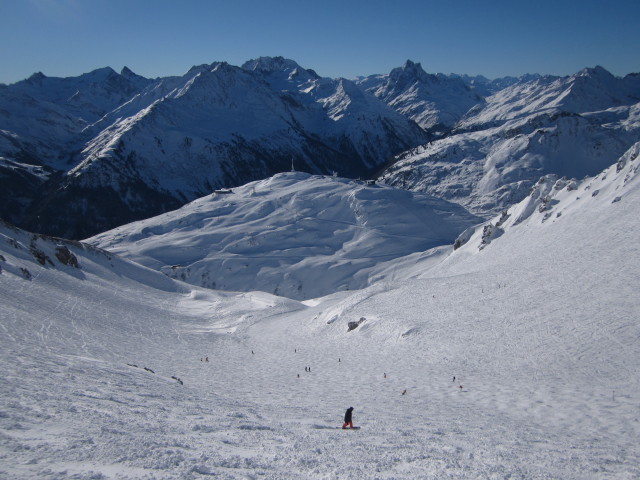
(348, 418)
(206, 359)
(404, 392)
(385, 375)
(454, 378)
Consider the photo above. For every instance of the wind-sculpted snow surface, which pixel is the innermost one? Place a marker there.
(295, 235)
(517, 360)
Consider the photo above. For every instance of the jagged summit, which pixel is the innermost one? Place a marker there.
(597, 71)
(410, 71)
(99, 73)
(281, 72)
(270, 64)
(126, 71)
(434, 102)
(36, 77)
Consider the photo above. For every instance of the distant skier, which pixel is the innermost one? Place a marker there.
(347, 418)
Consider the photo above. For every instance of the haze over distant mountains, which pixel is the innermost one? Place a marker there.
(82, 155)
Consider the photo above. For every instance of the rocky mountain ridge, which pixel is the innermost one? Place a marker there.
(82, 155)
(569, 126)
(121, 147)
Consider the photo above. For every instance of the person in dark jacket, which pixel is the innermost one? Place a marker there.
(347, 418)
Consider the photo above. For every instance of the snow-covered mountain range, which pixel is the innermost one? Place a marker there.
(82, 155)
(569, 126)
(514, 353)
(435, 102)
(110, 148)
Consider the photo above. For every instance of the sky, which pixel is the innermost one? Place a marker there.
(336, 38)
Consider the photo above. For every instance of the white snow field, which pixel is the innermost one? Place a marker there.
(539, 327)
(294, 234)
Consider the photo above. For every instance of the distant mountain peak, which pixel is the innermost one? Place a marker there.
(36, 77)
(409, 72)
(100, 73)
(410, 65)
(348, 87)
(270, 64)
(130, 74)
(596, 71)
(222, 67)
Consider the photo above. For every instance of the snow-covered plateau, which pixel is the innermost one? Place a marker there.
(295, 235)
(514, 353)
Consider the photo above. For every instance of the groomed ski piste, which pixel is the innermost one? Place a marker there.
(105, 371)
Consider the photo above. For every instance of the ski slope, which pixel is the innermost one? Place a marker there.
(539, 328)
(294, 234)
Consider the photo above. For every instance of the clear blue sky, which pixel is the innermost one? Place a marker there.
(337, 38)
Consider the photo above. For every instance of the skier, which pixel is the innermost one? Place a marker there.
(347, 418)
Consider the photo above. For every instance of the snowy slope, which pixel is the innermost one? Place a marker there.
(44, 123)
(589, 90)
(570, 126)
(46, 116)
(539, 328)
(295, 235)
